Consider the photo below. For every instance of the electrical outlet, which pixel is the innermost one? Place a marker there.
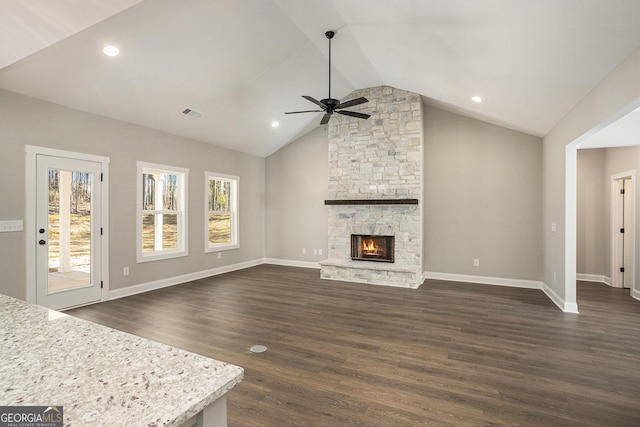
(555, 276)
(315, 252)
(9, 226)
(319, 251)
(125, 271)
(304, 251)
(553, 227)
(476, 262)
(219, 255)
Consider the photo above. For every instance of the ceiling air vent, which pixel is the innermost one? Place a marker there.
(191, 113)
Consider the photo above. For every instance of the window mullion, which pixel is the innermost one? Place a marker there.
(158, 218)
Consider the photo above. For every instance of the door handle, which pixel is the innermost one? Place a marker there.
(42, 242)
(41, 231)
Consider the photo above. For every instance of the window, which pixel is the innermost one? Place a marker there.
(162, 212)
(221, 204)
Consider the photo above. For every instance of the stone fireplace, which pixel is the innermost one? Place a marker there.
(375, 190)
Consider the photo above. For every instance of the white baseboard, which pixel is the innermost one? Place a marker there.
(560, 302)
(176, 280)
(636, 294)
(499, 281)
(514, 283)
(598, 278)
(292, 263)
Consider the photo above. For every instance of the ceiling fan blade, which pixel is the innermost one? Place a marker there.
(315, 101)
(353, 102)
(307, 111)
(325, 119)
(354, 114)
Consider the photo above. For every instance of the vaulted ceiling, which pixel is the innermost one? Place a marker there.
(243, 63)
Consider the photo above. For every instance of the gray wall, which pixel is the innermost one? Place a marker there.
(482, 198)
(297, 186)
(620, 160)
(595, 169)
(29, 121)
(619, 90)
(483, 187)
(592, 245)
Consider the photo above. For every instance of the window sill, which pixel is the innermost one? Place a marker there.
(161, 256)
(220, 248)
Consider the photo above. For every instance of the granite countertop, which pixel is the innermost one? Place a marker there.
(99, 375)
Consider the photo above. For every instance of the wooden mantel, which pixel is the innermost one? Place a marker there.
(372, 202)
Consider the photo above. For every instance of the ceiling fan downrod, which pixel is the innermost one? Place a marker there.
(329, 105)
(330, 35)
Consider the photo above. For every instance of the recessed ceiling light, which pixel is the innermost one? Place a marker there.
(476, 99)
(111, 50)
(275, 124)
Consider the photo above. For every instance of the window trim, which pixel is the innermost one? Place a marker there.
(235, 212)
(182, 213)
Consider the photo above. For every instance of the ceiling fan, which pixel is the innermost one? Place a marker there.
(330, 105)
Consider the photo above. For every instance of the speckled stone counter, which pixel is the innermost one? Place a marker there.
(103, 377)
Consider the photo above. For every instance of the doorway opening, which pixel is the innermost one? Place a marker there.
(620, 130)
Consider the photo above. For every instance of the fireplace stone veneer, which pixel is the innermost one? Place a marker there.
(376, 159)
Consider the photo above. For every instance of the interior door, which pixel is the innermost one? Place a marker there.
(623, 228)
(627, 245)
(68, 266)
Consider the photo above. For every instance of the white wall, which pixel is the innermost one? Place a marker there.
(27, 121)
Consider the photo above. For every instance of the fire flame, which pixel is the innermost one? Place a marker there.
(369, 247)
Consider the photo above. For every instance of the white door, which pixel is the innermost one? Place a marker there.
(68, 231)
(623, 273)
(627, 225)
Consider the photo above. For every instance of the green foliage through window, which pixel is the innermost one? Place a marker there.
(169, 184)
(219, 194)
(222, 227)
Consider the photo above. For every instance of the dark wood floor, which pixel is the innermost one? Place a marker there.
(445, 354)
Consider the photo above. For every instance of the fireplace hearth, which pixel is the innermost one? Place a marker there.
(372, 248)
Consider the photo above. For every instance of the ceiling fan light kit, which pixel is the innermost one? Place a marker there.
(330, 105)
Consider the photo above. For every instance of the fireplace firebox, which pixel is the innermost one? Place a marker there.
(372, 248)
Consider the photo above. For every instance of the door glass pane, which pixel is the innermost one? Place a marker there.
(69, 219)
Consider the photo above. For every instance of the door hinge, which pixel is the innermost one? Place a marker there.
(101, 284)
(622, 230)
(621, 269)
(622, 191)
(101, 176)
(101, 231)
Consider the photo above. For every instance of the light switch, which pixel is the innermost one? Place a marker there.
(9, 226)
